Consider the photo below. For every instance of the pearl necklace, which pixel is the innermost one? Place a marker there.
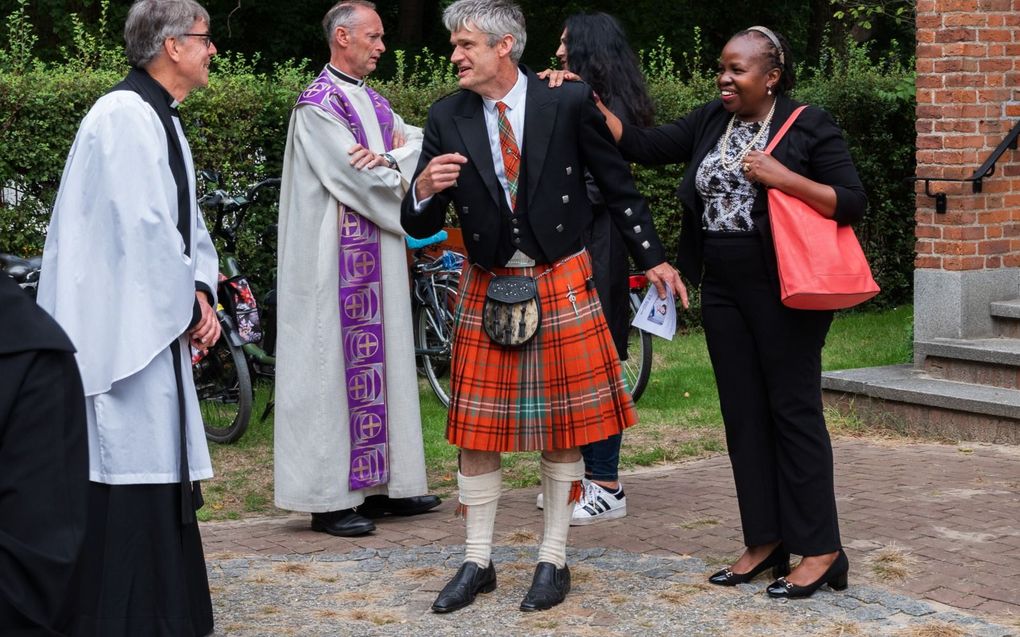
(724, 143)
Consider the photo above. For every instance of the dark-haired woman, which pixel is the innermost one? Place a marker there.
(594, 46)
(766, 357)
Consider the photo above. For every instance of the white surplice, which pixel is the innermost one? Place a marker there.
(115, 277)
(312, 436)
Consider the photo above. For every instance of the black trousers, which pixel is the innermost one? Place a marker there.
(142, 571)
(767, 360)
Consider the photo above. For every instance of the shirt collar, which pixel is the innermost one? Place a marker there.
(340, 75)
(514, 98)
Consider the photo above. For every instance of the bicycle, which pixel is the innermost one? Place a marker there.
(435, 285)
(223, 376)
(25, 272)
(637, 369)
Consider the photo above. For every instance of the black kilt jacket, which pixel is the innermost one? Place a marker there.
(564, 134)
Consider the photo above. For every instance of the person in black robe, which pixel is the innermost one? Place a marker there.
(43, 467)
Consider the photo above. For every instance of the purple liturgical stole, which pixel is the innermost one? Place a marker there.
(361, 328)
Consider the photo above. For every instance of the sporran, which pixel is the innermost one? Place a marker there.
(512, 312)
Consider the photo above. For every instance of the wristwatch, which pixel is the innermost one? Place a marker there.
(389, 158)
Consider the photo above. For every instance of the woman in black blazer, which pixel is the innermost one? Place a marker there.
(766, 357)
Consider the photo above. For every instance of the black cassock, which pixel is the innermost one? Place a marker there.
(43, 467)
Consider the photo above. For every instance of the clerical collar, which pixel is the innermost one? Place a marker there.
(340, 75)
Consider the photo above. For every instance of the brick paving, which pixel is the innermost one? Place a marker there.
(954, 510)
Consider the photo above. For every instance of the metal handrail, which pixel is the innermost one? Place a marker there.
(986, 170)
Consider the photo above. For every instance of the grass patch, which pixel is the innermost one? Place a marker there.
(679, 417)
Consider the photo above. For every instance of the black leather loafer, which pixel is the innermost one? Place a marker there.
(460, 591)
(376, 506)
(835, 577)
(549, 587)
(778, 560)
(343, 523)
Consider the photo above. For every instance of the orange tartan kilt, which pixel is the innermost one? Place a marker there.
(562, 390)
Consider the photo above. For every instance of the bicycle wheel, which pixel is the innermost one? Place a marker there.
(223, 384)
(435, 342)
(638, 367)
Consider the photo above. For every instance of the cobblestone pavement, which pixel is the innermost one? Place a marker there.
(945, 517)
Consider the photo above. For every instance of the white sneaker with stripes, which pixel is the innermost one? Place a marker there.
(598, 503)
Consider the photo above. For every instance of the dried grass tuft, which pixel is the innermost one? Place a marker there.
(842, 628)
(357, 596)
(745, 622)
(683, 593)
(935, 629)
(292, 567)
(373, 617)
(520, 536)
(583, 575)
(420, 573)
(699, 523)
(890, 564)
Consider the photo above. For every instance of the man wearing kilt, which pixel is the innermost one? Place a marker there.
(510, 153)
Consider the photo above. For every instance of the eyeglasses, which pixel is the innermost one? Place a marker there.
(207, 36)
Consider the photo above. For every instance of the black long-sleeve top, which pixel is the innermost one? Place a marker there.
(813, 147)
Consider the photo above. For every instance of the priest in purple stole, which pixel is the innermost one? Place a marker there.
(348, 442)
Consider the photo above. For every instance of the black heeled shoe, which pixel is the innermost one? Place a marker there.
(835, 576)
(778, 560)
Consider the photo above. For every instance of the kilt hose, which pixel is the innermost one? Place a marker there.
(561, 390)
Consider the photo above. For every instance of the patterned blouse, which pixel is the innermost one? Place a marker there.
(728, 194)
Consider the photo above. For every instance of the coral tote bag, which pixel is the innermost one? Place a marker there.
(821, 264)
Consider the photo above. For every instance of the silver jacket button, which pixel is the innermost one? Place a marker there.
(559, 228)
(566, 198)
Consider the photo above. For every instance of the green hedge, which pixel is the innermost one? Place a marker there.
(238, 126)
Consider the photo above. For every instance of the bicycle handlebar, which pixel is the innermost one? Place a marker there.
(417, 244)
(221, 201)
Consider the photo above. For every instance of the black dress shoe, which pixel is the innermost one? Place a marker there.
(376, 506)
(460, 591)
(835, 576)
(778, 560)
(548, 588)
(343, 523)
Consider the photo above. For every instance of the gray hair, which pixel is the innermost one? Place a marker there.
(151, 22)
(342, 15)
(495, 18)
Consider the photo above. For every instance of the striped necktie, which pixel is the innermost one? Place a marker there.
(511, 154)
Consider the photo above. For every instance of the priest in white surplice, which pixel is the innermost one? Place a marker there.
(348, 444)
(129, 272)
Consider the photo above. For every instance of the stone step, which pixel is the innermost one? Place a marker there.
(983, 361)
(906, 399)
(1006, 317)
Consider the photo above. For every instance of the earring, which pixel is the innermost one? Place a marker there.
(769, 89)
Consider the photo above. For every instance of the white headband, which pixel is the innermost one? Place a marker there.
(767, 32)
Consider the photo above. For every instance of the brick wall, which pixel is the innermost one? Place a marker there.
(968, 98)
